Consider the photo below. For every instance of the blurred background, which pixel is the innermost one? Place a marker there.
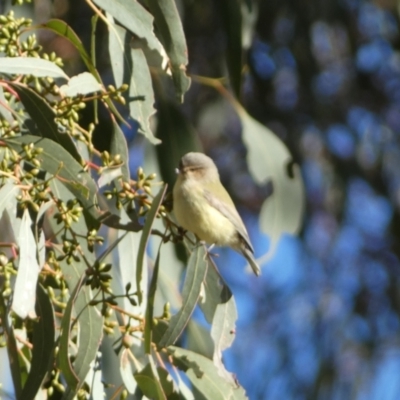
(322, 322)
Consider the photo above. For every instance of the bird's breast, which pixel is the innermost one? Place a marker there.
(194, 213)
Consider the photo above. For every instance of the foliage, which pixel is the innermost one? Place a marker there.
(78, 314)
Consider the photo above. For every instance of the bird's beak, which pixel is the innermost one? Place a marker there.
(177, 171)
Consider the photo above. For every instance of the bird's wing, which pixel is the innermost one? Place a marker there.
(227, 209)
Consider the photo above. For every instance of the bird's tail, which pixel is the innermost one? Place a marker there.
(247, 253)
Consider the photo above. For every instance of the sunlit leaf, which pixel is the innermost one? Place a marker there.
(204, 376)
(133, 16)
(108, 175)
(43, 116)
(172, 37)
(269, 160)
(127, 371)
(81, 84)
(130, 67)
(150, 216)
(31, 66)
(28, 271)
(195, 275)
(43, 345)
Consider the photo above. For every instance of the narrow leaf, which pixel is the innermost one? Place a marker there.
(150, 304)
(64, 362)
(172, 37)
(130, 67)
(150, 216)
(31, 66)
(43, 116)
(63, 29)
(195, 275)
(43, 345)
(24, 297)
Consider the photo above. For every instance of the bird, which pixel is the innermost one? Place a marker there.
(202, 206)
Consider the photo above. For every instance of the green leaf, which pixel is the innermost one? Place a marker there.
(172, 37)
(149, 383)
(232, 18)
(150, 217)
(31, 66)
(43, 116)
(195, 275)
(81, 84)
(269, 160)
(63, 29)
(24, 296)
(64, 362)
(43, 345)
(119, 146)
(90, 334)
(150, 305)
(130, 67)
(204, 376)
(133, 16)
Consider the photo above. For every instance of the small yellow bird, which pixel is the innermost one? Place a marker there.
(203, 207)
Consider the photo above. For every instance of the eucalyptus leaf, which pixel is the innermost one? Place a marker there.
(119, 146)
(269, 160)
(31, 66)
(133, 16)
(195, 275)
(172, 37)
(43, 345)
(150, 305)
(150, 217)
(149, 383)
(63, 29)
(203, 374)
(81, 84)
(130, 67)
(63, 356)
(24, 297)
